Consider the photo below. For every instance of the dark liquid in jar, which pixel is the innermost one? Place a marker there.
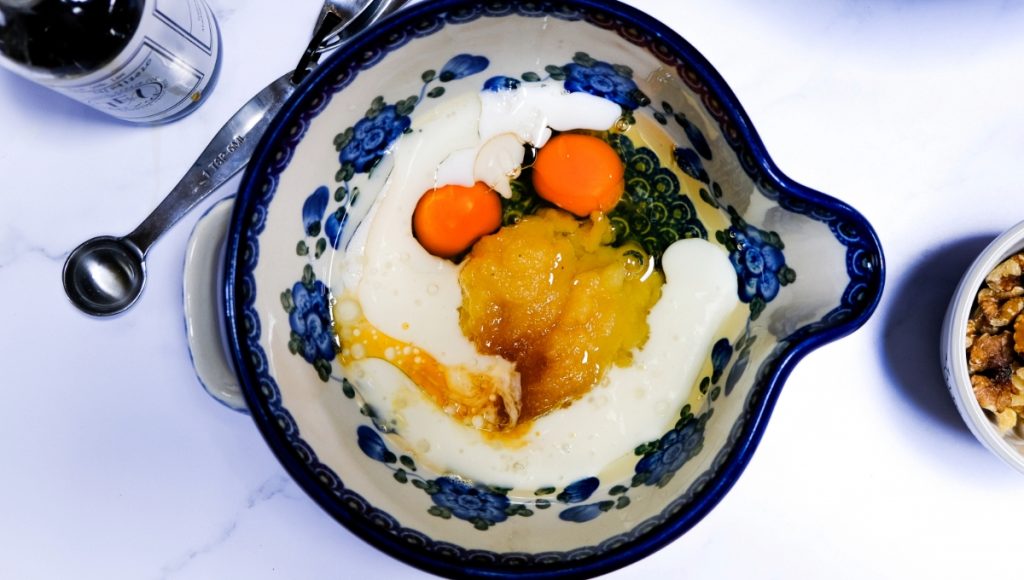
(68, 37)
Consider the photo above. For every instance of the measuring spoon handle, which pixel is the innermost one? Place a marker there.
(226, 154)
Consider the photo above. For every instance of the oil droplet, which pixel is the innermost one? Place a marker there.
(634, 261)
(433, 289)
(661, 75)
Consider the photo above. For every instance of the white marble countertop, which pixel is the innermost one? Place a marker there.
(116, 464)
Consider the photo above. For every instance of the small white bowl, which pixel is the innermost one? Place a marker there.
(1009, 447)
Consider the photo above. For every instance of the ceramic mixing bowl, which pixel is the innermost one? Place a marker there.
(809, 270)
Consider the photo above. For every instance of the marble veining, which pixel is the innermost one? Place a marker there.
(270, 489)
(14, 245)
(118, 465)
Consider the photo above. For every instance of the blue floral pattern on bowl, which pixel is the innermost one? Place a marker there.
(480, 505)
(760, 264)
(501, 83)
(372, 136)
(663, 458)
(309, 315)
(579, 491)
(601, 79)
(475, 504)
(461, 66)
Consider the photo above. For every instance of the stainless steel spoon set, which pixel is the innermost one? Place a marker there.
(105, 275)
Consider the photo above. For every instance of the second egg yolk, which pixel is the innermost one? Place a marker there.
(449, 219)
(579, 173)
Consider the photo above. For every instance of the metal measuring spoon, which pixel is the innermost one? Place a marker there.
(105, 275)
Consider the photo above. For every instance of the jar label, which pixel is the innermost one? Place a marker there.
(148, 86)
(163, 72)
(189, 19)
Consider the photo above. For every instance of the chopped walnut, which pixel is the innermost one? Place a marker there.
(1006, 420)
(1005, 279)
(992, 395)
(998, 312)
(991, 353)
(994, 345)
(1018, 336)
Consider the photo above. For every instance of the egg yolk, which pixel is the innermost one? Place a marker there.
(478, 399)
(579, 173)
(449, 219)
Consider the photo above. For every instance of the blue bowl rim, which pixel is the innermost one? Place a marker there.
(759, 405)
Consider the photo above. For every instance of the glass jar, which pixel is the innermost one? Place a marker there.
(143, 61)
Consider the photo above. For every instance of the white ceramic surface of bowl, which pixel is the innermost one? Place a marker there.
(809, 270)
(1009, 447)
